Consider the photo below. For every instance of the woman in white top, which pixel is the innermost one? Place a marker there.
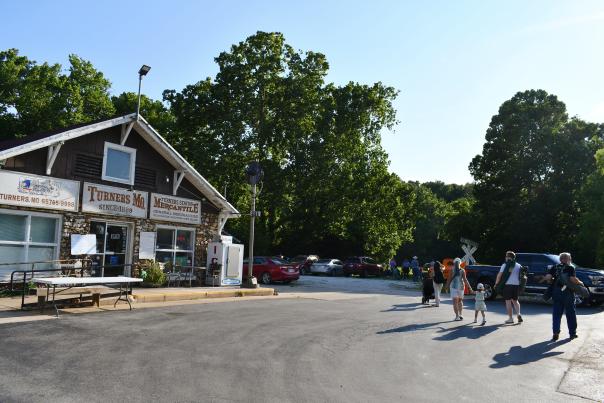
(455, 283)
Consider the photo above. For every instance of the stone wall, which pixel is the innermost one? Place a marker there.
(79, 223)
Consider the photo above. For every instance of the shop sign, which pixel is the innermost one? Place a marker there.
(26, 190)
(110, 200)
(175, 209)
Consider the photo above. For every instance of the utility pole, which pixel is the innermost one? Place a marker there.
(254, 175)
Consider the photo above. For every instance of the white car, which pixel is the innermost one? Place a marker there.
(331, 267)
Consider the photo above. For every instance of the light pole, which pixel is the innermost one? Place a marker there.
(141, 72)
(254, 175)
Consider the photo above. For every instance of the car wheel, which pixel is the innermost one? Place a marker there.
(265, 278)
(489, 290)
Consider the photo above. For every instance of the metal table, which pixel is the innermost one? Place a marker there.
(125, 286)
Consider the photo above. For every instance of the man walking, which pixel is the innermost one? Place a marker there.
(508, 285)
(415, 268)
(563, 297)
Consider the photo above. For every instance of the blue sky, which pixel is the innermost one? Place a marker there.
(454, 62)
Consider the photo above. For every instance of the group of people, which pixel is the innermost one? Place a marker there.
(509, 282)
(409, 269)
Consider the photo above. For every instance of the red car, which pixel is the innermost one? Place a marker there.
(363, 266)
(269, 268)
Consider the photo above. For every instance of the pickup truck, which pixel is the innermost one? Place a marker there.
(538, 264)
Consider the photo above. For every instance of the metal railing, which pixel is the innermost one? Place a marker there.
(60, 266)
(179, 273)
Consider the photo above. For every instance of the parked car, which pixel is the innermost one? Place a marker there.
(303, 262)
(331, 267)
(268, 269)
(538, 265)
(363, 266)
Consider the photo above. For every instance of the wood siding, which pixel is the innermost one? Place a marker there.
(78, 159)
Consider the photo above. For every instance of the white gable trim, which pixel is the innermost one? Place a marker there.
(152, 137)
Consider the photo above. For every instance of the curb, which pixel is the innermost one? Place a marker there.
(184, 296)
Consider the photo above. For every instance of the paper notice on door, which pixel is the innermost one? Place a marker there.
(83, 244)
(146, 249)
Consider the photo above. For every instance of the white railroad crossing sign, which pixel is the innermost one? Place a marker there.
(469, 247)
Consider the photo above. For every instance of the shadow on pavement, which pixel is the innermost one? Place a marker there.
(468, 331)
(412, 327)
(407, 307)
(518, 355)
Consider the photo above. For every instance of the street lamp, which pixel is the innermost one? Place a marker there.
(141, 72)
(254, 175)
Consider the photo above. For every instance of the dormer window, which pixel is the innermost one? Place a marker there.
(119, 163)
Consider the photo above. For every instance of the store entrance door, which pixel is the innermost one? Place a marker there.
(112, 245)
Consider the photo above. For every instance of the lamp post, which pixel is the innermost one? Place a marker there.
(141, 72)
(254, 175)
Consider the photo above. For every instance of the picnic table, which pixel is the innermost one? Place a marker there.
(82, 285)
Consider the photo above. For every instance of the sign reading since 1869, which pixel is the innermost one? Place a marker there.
(21, 189)
(114, 201)
(176, 209)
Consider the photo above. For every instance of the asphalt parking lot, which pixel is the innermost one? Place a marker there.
(324, 339)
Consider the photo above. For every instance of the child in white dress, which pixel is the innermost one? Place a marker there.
(480, 305)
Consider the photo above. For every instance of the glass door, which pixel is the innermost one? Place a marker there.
(112, 248)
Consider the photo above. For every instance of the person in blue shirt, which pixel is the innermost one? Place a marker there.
(406, 266)
(417, 276)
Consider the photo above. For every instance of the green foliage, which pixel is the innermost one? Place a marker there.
(39, 97)
(152, 274)
(590, 240)
(532, 167)
(152, 111)
(326, 188)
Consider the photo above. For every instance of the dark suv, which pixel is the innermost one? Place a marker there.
(363, 266)
(538, 265)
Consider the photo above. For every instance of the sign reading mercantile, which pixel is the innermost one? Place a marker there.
(109, 200)
(26, 190)
(176, 209)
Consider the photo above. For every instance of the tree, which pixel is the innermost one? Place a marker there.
(326, 181)
(154, 112)
(532, 165)
(37, 97)
(590, 239)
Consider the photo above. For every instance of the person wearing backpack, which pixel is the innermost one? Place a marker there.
(508, 285)
(561, 275)
(438, 279)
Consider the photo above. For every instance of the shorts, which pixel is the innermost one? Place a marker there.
(510, 292)
(457, 293)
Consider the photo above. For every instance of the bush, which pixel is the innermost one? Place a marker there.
(152, 274)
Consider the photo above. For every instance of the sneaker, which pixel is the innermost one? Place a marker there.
(460, 317)
(484, 322)
(456, 318)
(474, 321)
(555, 337)
(509, 321)
(573, 336)
(520, 319)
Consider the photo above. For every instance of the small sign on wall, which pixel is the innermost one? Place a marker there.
(83, 244)
(146, 249)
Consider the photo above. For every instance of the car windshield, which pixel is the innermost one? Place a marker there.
(277, 260)
(324, 261)
(554, 258)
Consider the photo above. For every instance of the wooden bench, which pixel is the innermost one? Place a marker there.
(43, 293)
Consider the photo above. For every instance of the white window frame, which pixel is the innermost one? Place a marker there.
(117, 147)
(27, 242)
(174, 251)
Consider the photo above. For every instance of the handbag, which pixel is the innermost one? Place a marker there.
(578, 289)
(523, 279)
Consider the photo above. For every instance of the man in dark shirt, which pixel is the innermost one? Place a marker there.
(562, 296)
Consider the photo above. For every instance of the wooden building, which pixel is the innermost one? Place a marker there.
(115, 178)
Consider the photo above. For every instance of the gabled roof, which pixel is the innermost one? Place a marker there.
(13, 148)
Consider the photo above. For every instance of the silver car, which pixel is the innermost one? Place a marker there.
(331, 267)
